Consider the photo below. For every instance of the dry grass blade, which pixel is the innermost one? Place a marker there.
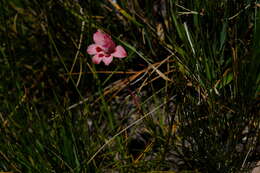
(122, 83)
(149, 64)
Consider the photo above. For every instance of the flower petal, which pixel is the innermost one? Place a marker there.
(96, 59)
(100, 38)
(119, 52)
(94, 49)
(107, 60)
(104, 40)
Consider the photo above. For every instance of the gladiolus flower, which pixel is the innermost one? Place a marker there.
(104, 49)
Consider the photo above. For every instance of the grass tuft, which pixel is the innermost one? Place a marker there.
(185, 99)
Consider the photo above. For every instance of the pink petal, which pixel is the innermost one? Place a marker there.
(100, 38)
(119, 52)
(103, 40)
(107, 60)
(94, 49)
(97, 58)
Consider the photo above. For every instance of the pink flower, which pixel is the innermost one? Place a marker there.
(104, 49)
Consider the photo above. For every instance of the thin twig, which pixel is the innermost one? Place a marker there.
(187, 13)
(79, 46)
(232, 17)
(106, 72)
(76, 104)
(246, 158)
(80, 73)
(188, 10)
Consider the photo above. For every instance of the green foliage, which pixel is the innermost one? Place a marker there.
(186, 99)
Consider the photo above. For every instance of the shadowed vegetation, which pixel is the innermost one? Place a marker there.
(185, 99)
